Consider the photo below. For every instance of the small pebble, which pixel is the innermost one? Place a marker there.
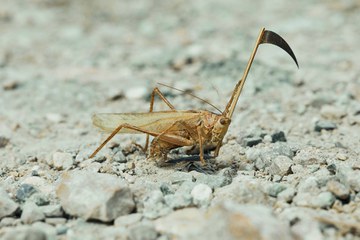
(341, 156)
(119, 157)
(3, 141)
(201, 194)
(338, 189)
(278, 137)
(10, 85)
(251, 141)
(287, 195)
(280, 166)
(62, 160)
(324, 125)
(332, 112)
(25, 191)
(275, 189)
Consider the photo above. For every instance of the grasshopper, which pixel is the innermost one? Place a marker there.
(173, 128)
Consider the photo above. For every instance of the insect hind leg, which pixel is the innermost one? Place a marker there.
(116, 130)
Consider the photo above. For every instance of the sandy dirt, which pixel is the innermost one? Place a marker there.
(61, 61)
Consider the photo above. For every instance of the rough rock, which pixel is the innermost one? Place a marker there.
(332, 112)
(324, 125)
(304, 226)
(25, 233)
(228, 220)
(8, 206)
(338, 189)
(62, 160)
(25, 191)
(349, 177)
(280, 166)
(312, 200)
(201, 194)
(97, 196)
(31, 213)
(243, 189)
(143, 231)
(52, 210)
(154, 205)
(127, 220)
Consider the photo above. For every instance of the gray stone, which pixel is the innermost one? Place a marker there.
(182, 223)
(31, 213)
(119, 157)
(154, 205)
(280, 166)
(180, 177)
(251, 141)
(275, 188)
(201, 195)
(52, 210)
(24, 233)
(39, 199)
(178, 200)
(97, 196)
(304, 226)
(213, 181)
(278, 137)
(62, 160)
(48, 229)
(309, 184)
(324, 200)
(166, 189)
(324, 125)
(321, 200)
(143, 231)
(8, 221)
(243, 189)
(8, 206)
(25, 191)
(287, 195)
(339, 190)
(349, 177)
(127, 220)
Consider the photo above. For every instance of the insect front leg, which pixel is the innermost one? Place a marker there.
(116, 130)
(152, 100)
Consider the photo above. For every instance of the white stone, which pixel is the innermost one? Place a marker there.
(202, 194)
(62, 160)
(92, 195)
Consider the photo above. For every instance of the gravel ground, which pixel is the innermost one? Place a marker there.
(289, 167)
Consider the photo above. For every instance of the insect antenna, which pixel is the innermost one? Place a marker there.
(203, 100)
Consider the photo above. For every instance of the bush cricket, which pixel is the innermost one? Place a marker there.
(173, 129)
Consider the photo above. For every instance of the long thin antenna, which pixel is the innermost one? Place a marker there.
(265, 36)
(203, 100)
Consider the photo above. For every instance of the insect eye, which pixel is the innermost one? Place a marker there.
(222, 121)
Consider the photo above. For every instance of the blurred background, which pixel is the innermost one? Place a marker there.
(62, 60)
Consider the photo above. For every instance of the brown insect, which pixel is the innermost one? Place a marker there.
(173, 129)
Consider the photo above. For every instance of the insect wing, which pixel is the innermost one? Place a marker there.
(153, 121)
